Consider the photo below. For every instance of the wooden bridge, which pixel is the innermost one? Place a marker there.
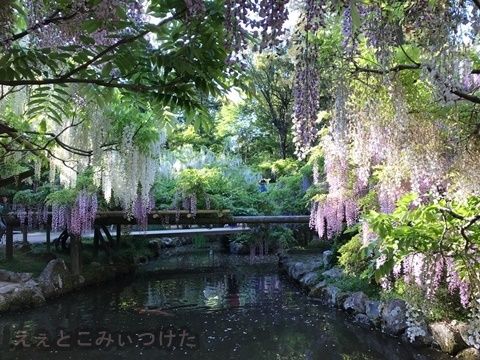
(102, 236)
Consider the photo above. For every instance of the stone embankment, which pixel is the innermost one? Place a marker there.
(391, 317)
(21, 290)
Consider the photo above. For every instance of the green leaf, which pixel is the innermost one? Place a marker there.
(356, 19)
(43, 126)
(92, 25)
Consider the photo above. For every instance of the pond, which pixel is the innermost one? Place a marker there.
(233, 312)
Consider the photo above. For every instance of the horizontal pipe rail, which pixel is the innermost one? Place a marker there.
(168, 217)
(277, 219)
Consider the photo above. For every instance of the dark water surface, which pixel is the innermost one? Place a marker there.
(241, 312)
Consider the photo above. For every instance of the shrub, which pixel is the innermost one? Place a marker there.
(351, 258)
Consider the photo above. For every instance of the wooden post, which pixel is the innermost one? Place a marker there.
(95, 239)
(48, 235)
(24, 234)
(108, 236)
(9, 243)
(75, 252)
(119, 233)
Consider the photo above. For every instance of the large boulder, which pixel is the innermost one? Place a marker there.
(468, 354)
(333, 273)
(298, 269)
(394, 317)
(309, 279)
(362, 320)
(8, 288)
(467, 333)
(373, 309)
(355, 303)
(14, 296)
(418, 335)
(26, 295)
(10, 276)
(327, 258)
(447, 337)
(56, 279)
(328, 295)
(341, 297)
(317, 291)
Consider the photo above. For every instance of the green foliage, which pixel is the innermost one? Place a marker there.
(282, 235)
(288, 195)
(444, 306)
(65, 197)
(369, 201)
(29, 197)
(442, 227)
(245, 238)
(278, 168)
(275, 235)
(24, 262)
(68, 196)
(85, 181)
(164, 192)
(351, 257)
(200, 181)
(352, 282)
(199, 241)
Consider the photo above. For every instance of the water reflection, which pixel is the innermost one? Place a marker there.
(234, 314)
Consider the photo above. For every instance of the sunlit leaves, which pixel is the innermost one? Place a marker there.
(52, 102)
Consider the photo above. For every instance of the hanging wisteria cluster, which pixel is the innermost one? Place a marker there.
(264, 19)
(61, 217)
(83, 213)
(428, 273)
(306, 104)
(338, 208)
(53, 34)
(409, 153)
(78, 218)
(141, 209)
(405, 129)
(30, 215)
(139, 168)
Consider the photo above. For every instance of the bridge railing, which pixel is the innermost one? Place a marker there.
(158, 217)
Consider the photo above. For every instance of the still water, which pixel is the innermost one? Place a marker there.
(239, 312)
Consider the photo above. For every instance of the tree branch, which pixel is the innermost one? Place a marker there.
(99, 82)
(114, 46)
(52, 19)
(417, 66)
(15, 178)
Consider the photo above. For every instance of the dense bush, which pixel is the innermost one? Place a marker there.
(351, 257)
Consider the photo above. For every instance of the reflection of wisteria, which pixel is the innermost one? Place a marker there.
(258, 250)
(155, 297)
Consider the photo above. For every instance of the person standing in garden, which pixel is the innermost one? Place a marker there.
(263, 185)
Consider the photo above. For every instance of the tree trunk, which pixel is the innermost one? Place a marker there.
(9, 243)
(281, 144)
(24, 234)
(48, 235)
